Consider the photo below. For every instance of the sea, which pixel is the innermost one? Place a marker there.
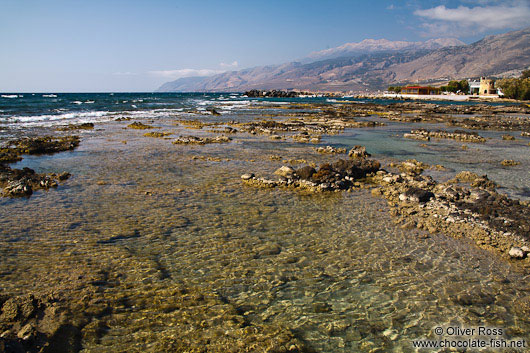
(154, 245)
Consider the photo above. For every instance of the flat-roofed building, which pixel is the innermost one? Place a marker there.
(484, 87)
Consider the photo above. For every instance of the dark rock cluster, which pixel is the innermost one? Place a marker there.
(39, 145)
(255, 93)
(340, 175)
(36, 324)
(82, 126)
(22, 182)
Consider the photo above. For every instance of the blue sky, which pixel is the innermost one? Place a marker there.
(133, 45)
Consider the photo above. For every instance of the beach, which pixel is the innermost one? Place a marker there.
(187, 223)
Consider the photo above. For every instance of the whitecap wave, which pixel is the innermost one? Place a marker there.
(9, 96)
(49, 95)
(56, 119)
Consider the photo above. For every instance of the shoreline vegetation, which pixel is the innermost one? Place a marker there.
(466, 206)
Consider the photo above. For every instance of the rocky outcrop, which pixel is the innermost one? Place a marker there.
(466, 205)
(157, 134)
(330, 150)
(71, 127)
(358, 152)
(273, 94)
(340, 175)
(23, 182)
(459, 135)
(194, 140)
(139, 126)
(38, 145)
(509, 163)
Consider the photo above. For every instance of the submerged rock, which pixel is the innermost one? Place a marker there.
(83, 126)
(139, 126)
(157, 134)
(509, 163)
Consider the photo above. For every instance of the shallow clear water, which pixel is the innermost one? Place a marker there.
(333, 268)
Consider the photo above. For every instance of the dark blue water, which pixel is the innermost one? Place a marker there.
(46, 109)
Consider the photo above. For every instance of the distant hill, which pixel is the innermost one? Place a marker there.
(375, 64)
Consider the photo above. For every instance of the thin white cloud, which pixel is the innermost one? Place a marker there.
(233, 65)
(180, 73)
(474, 20)
(390, 7)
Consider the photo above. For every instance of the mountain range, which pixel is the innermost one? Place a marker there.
(374, 64)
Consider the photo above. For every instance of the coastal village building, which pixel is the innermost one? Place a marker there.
(484, 87)
(420, 90)
(474, 87)
(487, 87)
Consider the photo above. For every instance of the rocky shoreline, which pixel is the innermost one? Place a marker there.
(255, 93)
(466, 206)
(22, 182)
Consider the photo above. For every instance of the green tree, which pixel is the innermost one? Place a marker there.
(395, 89)
(457, 86)
(452, 86)
(464, 86)
(515, 88)
(525, 74)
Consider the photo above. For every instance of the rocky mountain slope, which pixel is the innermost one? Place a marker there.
(370, 46)
(375, 69)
